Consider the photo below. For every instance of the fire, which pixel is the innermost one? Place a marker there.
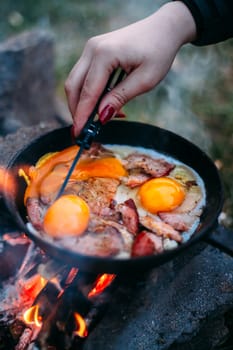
(101, 284)
(33, 286)
(7, 181)
(31, 316)
(81, 330)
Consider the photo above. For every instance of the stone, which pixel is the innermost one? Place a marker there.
(14, 142)
(170, 308)
(27, 81)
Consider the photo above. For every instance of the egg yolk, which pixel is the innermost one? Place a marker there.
(161, 194)
(51, 169)
(67, 216)
(104, 167)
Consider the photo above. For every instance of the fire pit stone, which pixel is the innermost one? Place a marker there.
(180, 306)
(27, 80)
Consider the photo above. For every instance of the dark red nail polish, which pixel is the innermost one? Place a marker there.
(106, 114)
(120, 115)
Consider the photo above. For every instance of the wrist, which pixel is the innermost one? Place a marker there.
(180, 21)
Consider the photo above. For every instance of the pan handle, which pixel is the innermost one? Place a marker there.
(222, 238)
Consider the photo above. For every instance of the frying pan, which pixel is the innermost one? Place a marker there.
(134, 134)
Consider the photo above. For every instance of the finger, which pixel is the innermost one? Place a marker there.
(120, 114)
(74, 83)
(93, 86)
(137, 82)
(76, 78)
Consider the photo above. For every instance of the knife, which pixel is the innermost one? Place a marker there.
(92, 127)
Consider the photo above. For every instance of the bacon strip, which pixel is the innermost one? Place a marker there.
(97, 151)
(97, 192)
(36, 211)
(146, 243)
(179, 221)
(156, 167)
(135, 178)
(183, 217)
(106, 243)
(160, 228)
(130, 216)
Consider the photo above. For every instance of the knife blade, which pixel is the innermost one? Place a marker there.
(92, 127)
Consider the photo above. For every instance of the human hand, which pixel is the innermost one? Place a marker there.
(145, 50)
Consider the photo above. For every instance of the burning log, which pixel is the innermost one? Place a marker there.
(59, 326)
(25, 339)
(55, 306)
(75, 311)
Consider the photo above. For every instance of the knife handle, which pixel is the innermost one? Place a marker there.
(93, 125)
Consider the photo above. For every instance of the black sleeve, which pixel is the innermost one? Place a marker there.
(214, 20)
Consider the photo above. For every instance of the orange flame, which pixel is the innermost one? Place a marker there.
(101, 284)
(31, 316)
(7, 181)
(32, 287)
(81, 331)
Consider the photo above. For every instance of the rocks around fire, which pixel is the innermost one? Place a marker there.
(181, 309)
(27, 80)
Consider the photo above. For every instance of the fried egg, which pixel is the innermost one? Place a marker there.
(163, 194)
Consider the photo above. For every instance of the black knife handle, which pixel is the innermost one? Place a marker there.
(88, 134)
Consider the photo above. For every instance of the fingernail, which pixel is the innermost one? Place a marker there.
(106, 114)
(120, 115)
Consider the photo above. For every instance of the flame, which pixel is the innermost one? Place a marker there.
(81, 330)
(101, 283)
(31, 316)
(32, 287)
(7, 181)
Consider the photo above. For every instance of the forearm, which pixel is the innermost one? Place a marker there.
(213, 18)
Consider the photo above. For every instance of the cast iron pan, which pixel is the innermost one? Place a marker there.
(134, 134)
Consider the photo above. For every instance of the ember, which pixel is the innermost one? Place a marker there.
(50, 298)
(101, 283)
(33, 286)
